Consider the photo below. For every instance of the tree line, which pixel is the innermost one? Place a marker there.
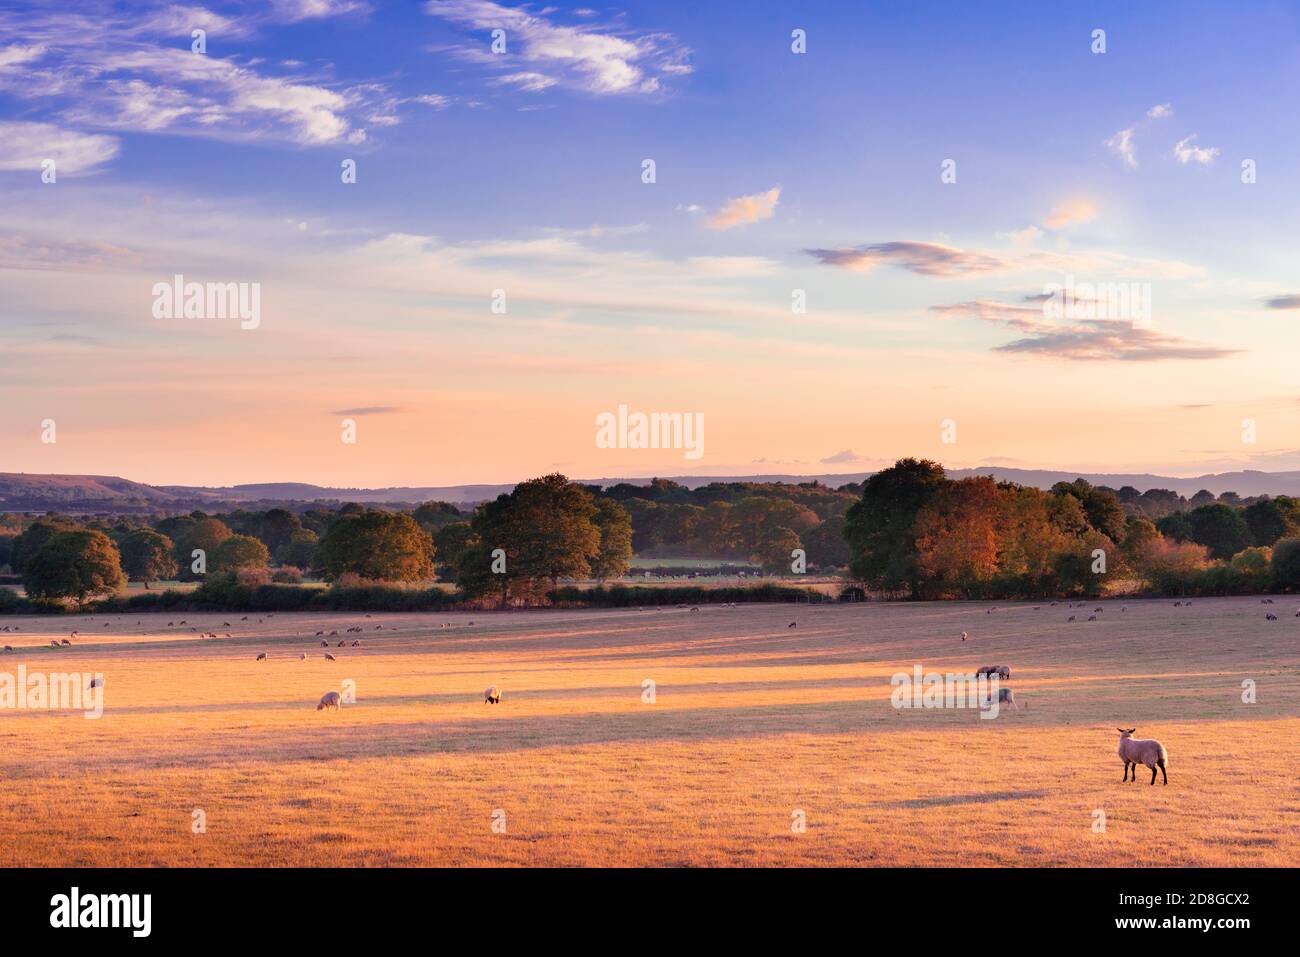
(916, 533)
(907, 531)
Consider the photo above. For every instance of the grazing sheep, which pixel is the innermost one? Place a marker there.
(986, 670)
(262, 656)
(1270, 617)
(492, 694)
(54, 644)
(792, 625)
(356, 644)
(1092, 617)
(964, 636)
(324, 644)
(1006, 696)
(1003, 672)
(1071, 618)
(329, 657)
(302, 656)
(329, 700)
(1148, 751)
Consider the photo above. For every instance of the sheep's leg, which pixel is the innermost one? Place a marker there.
(1163, 773)
(1125, 777)
(1153, 774)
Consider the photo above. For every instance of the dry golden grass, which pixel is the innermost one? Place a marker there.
(752, 721)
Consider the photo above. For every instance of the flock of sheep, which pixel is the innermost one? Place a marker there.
(1132, 751)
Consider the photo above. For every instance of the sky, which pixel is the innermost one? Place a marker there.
(984, 234)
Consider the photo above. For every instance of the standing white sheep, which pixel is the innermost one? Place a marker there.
(1135, 751)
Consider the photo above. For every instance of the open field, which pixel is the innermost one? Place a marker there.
(752, 720)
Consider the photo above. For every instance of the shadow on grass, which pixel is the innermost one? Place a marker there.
(949, 800)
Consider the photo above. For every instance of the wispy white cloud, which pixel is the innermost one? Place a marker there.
(295, 10)
(525, 80)
(24, 146)
(586, 56)
(16, 54)
(1185, 152)
(1121, 144)
(101, 67)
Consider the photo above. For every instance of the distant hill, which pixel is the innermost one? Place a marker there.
(22, 492)
(102, 493)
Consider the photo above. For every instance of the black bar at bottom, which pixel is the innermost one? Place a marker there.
(305, 906)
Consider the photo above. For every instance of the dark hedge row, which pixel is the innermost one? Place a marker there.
(624, 596)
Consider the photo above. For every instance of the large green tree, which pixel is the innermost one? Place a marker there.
(147, 556)
(239, 551)
(275, 528)
(613, 555)
(1220, 528)
(377, 546)
(1286, 564)
(551, 532)
(773, 553)
(879, 526)
(527, 540)
(825, 544)
(35, 536)
(76, 565)
(205, 535)
(1272, 518)
(300, 550)
(449, 541)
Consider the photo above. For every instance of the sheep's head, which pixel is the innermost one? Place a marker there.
(1124, 734)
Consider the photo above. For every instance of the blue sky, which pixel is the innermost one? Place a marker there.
(775, 171)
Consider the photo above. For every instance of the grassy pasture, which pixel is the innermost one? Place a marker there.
(752, 721)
